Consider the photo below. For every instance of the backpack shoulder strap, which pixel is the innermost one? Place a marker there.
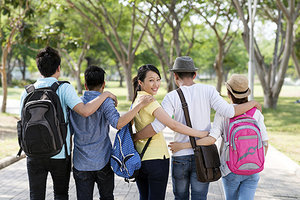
(29, 88)
(56, 84)
(251, 111)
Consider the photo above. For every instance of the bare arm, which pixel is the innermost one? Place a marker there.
(266, 145)
(145, 133)
(126, 118)
(242, 108)
(177, 146)
(164, 118)
(86, 110)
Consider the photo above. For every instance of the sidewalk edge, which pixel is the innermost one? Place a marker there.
(10, 160)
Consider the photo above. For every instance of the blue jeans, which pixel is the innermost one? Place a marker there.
(240, 187)
(38, 169)
(153, 179)
(184, 176)
(85, 181)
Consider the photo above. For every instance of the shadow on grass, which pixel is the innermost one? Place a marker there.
(285, 118)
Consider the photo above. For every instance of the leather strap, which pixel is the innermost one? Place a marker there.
(147, 143)
(186, 115)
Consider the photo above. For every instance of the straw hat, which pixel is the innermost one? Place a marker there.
(238, 86)
(184, 64)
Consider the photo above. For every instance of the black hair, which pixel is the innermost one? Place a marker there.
(47, 61)
(141, 75)
(183, 75)
(94, 77)
(236, 100)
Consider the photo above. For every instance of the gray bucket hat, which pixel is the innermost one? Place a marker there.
(184, 64)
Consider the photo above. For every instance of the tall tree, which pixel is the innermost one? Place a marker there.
(164, 32)
(113, 19)
(219, 15)
(12, 16)
(296, 48)
(279, 65)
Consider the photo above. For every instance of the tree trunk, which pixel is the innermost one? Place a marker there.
(270, 101)
(284, 61)
(271, 92)
(296, 63)
(23, 68)
(78, 82)
(219, 67)
(120, 75)
(128, 75)
(3, 78)
(220, 76)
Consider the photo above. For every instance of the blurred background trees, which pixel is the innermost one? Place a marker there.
(121, 35)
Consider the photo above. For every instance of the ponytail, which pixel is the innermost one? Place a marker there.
(136, 87)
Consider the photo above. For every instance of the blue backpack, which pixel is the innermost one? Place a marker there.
(125, 160)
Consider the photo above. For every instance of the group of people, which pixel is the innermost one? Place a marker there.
(91, 116)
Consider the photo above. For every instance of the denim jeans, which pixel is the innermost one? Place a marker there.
(85, 181)
(240, 187)
(153, 179)
(184, 176)
(38, 168)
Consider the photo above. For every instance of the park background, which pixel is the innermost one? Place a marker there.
(120, 36)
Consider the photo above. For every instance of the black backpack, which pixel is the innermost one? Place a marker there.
(42, 129)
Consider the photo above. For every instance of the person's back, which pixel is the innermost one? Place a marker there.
(48, 63)
(240, 184)
(200, 99)
(92, 145)
(235, 186)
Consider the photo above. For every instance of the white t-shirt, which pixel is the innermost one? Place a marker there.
(200, 99)
(220, 128)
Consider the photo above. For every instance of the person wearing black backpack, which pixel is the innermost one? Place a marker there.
(36, 122)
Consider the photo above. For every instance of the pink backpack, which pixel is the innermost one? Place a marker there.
(246, 152)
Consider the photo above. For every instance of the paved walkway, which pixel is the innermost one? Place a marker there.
(279, 181)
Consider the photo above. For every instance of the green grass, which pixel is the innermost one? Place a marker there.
(13, 93)
(283, 124)
(9, 147)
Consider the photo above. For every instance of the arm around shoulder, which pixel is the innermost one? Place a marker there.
(164, 118)
(88, 109)
(242, 108)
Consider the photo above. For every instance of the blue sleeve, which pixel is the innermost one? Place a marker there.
(110, 112)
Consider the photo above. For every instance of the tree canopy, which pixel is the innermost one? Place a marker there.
(121, 35)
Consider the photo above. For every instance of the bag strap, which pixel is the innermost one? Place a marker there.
(251, 111)
(29, 88)
(147, 143)
(56, 84)
(145, 147)
(186, 115)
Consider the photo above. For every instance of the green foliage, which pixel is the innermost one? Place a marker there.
(237, 58)
(22, 83)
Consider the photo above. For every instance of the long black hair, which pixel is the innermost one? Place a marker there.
(141, 75)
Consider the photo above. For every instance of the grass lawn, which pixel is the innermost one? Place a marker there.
(283, 124)
(8, 135)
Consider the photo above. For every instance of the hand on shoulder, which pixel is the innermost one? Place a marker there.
(146, 99)
(112, 96)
